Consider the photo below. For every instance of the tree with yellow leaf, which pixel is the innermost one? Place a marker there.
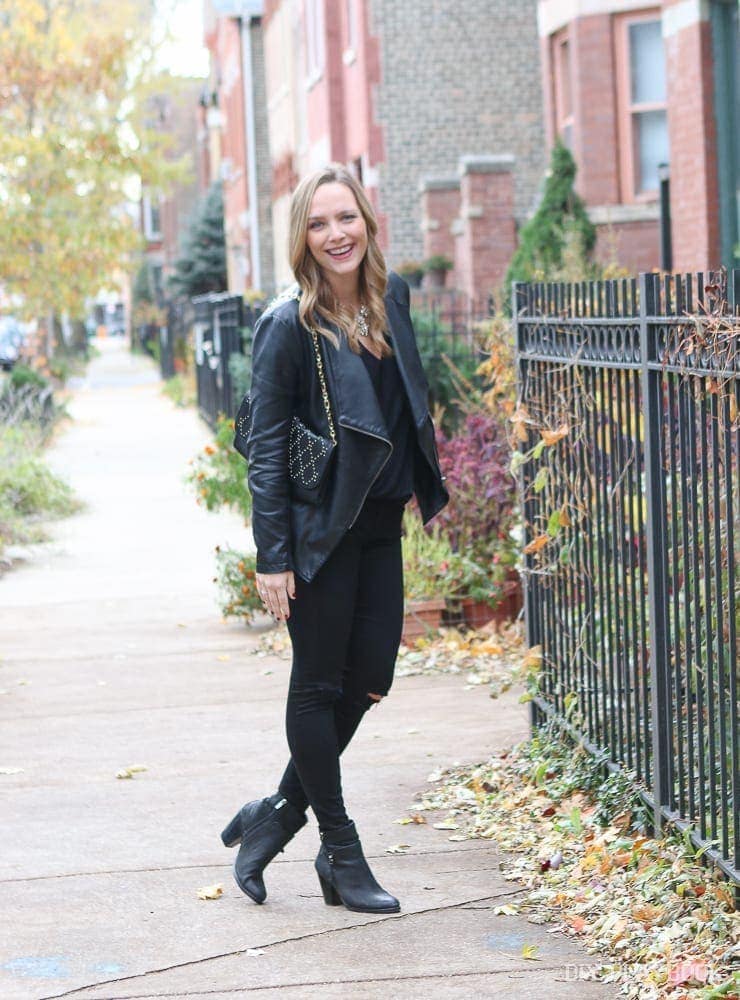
(76, 133)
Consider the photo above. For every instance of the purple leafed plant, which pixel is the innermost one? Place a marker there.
(483, 493)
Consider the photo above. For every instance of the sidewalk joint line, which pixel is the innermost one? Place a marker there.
(270, 944)
(220, 864)
(336, 982)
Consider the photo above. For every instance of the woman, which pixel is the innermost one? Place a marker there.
(338, 352)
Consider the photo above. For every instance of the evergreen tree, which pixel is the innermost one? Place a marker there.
(201, 266)
(560, 219)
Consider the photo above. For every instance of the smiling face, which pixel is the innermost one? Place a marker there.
(337, 232)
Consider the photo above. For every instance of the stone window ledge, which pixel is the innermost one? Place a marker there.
(604, 215)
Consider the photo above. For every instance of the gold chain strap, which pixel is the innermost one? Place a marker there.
(322, 380)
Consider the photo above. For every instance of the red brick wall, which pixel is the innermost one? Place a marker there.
(488, 237)
(270, 6)
(440, 208)
(693, 143)
(594, 108)
(284, 176)
(632, 245)
(233, 146)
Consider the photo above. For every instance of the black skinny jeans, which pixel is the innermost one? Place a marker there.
(345, 627)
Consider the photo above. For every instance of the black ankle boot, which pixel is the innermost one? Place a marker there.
(345, 876)
(264, 827)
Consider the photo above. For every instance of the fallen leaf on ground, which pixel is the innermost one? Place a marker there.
(130, 771)
(397, 849)
(529, 951)
(211, 891)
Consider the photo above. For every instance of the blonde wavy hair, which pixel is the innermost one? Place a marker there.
(318, 305)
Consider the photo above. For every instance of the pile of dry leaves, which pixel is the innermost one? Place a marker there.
(493, 655)
(659, 922)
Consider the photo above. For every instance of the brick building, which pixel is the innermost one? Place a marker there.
(639, 91)
(236, 145)
(435, 105)
(163, 219)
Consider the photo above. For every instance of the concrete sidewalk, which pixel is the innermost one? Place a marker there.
(112, 653)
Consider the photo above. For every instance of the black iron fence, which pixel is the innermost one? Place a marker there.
(629, 447)
(447, 327)
(222, 326)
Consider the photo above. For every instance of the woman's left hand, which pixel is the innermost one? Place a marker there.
(275, 589)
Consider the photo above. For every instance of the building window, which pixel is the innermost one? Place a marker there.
(563, 89)
(355, 168)
(152, 217)
(350, 14)
(642, 94)
(314, 39)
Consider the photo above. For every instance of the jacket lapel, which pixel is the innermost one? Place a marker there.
(357, 404)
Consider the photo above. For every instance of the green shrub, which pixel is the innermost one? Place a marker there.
(219, 474)
(181, 389)
(448, 364)
(560, 220)
(240, 369)
(29, 490)
(438, 262)
(22, 375)
(426, 557)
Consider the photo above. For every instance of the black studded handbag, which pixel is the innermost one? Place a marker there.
(309, 453)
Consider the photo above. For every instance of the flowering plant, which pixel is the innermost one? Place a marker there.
(237, 583)
(218, 473)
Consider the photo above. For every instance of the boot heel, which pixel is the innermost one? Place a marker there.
(331, 896)
(233, 832)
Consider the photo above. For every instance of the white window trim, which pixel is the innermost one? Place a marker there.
(315, 47)
(149, 231)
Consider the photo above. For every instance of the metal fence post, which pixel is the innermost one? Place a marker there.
(518, 304)
(655, 493)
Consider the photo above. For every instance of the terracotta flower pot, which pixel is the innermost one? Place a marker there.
(420, 617)
(479, 613)
(437, 277)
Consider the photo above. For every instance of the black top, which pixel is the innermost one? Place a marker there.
(396, 479)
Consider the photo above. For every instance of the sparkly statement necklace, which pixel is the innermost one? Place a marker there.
(361, 321)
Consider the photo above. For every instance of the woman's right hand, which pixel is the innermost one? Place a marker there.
(275, 589)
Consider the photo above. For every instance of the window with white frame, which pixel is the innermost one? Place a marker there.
(563, 94)
(350, 16)
(152, 217)
(314, 11)
(643, 122)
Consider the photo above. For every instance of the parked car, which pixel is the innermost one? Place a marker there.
(11, 341)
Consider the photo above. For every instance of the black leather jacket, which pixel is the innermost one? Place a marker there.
(294, 534)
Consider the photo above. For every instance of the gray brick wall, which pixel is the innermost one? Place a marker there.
(458, 77)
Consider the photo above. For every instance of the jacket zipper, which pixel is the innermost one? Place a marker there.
(379, 438)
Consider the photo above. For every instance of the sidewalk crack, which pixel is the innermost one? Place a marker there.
(270, 944)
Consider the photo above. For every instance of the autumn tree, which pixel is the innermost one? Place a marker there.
(74, 138)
